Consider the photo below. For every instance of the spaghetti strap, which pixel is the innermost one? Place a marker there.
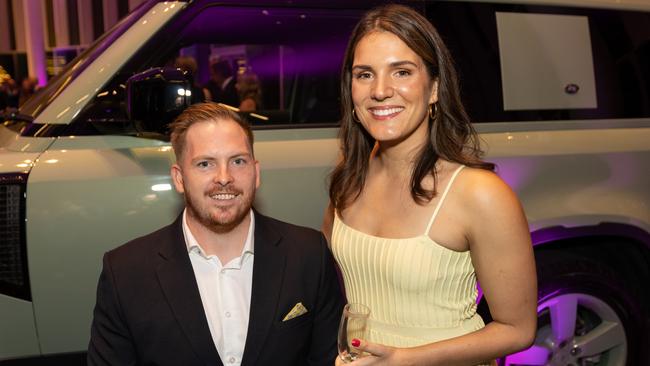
(442, 198)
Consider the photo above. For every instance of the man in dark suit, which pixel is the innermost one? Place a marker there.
(223, 284)
(222, 84)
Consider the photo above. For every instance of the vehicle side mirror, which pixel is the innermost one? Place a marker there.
(156, 97)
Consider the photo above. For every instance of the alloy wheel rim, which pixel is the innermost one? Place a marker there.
(575, 329)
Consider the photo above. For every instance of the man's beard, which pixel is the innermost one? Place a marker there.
(208, 219)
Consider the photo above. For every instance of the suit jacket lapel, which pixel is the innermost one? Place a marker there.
(268, 271)
(178, 283)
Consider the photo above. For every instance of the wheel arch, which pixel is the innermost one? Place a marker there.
(617, 248)
(624, 248)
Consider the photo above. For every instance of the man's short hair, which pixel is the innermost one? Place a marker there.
(223, 68)
(203, 112)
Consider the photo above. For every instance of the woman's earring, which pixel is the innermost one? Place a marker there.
(433, 111)
(354, 116)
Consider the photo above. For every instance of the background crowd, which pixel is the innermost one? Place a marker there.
(237, 88)
(13, 94)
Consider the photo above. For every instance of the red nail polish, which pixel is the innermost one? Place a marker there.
(356, 343)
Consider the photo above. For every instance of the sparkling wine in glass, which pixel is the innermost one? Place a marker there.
(354, 322)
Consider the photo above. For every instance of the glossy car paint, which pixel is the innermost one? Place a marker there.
(18, 337)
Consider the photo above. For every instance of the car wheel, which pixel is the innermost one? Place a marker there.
(585, 317)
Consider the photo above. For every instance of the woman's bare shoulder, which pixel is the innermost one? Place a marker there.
(484, 190)
(491, 211)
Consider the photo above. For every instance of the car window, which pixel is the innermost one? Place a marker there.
(618, 43)
(286, 60)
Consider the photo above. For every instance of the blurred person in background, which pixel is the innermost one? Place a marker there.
(3, 97)
(222, 83)
(188, 64)
(250, 92)
(28, 87)
(10, 94)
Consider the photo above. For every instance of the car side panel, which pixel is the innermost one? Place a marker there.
(17, 329)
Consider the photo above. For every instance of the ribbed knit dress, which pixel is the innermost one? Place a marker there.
(418, 291)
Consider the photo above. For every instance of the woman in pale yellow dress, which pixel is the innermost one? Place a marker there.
(415, 215)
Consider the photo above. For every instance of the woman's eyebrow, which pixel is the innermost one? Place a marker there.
(362, 67)
(392, 64)
(403, 63)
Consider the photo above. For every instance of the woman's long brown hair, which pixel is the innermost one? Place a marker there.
(451, 134)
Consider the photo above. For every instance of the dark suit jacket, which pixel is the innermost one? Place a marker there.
(214, 88)
(149, 310)
(229, 94)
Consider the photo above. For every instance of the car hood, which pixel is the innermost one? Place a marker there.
(18, 153)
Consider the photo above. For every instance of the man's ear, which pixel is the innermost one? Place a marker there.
(177, 178)
(257, 174)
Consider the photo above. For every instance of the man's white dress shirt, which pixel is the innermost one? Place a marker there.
(225, 292)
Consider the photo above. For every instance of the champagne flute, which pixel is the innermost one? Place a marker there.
(354, 322)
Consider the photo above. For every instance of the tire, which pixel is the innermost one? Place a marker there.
(585, 316)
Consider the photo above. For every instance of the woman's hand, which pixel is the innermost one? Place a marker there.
(378, 355)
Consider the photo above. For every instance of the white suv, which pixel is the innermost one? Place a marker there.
(560, 95)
